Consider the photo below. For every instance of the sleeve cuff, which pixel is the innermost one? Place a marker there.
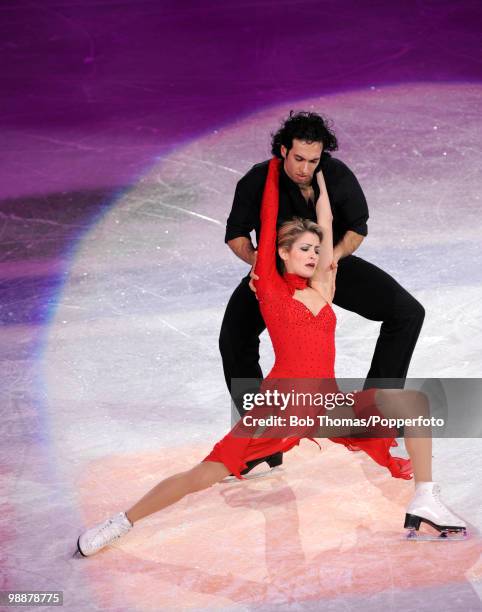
(233, 233)
(359, 229)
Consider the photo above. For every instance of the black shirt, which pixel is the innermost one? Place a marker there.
(348, 203)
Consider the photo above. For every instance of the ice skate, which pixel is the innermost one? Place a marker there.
(427, 507)
(96, 538)
(274, 462)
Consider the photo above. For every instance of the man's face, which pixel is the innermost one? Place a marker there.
(301, 160)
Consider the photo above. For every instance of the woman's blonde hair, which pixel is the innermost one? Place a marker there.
(290, 231)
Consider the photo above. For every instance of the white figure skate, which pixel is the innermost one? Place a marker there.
(427, 507)
(96, 538)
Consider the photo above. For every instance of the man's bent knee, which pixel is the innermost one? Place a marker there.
(418, 311)
(411, 308)
(403, 404)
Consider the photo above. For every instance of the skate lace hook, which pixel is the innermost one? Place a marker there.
(436, 494)
(106, 526)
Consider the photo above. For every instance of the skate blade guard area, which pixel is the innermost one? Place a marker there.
(437, 533)
(267, 473)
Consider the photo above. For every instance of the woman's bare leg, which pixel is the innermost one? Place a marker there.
(395, 403)
(426, 505)
(175, 487)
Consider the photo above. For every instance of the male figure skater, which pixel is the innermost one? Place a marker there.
(304, 142)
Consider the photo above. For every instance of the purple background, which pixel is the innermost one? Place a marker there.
(124, 81)
(95, 91)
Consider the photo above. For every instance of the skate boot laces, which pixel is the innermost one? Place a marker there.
(116, 526)
(436, 496)
(112, 529)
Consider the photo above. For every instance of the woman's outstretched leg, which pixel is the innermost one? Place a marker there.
(166, 493)
(174, 488)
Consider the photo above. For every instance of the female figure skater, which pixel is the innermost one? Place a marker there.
(301, 323)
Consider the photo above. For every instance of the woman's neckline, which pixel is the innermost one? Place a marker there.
(295, 282)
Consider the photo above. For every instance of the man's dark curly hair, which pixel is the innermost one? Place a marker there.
(309, 127)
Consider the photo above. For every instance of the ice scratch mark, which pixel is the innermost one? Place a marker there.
(206, 162)
(13, 217)
(185, 210)
(174, 328)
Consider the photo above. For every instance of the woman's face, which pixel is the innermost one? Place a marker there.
(303, 256)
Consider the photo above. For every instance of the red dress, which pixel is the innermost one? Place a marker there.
(304, 348)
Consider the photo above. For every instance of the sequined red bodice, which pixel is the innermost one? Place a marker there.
(303, 343)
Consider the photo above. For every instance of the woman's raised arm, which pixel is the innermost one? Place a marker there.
(323, 280)
(266, 258)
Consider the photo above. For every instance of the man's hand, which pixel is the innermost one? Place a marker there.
(252, 275)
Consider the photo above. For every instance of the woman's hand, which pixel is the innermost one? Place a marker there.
(252, 275)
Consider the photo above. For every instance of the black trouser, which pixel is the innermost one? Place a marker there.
(361, 287)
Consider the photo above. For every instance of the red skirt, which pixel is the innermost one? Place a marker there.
(235, 451)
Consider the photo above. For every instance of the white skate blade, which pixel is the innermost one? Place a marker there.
(444, 536)
(254, 476)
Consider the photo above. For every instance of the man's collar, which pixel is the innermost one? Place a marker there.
(289, 182)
